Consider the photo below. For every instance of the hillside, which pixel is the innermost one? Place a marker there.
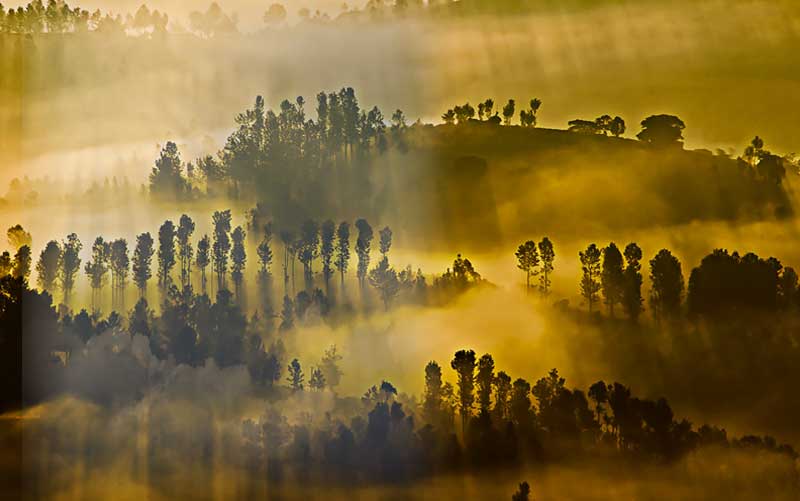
(480, 184)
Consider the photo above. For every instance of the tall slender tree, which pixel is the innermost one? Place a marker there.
(142, 261)
(222, 246)
(166, 253)
(528, 261)
(548, 256)
(363, 244)
(70, 264)
(203, 259)
(342, 249)
(327, 235)
(612, 279)
(385, 240)
(120, 266)
(47, 267)
(22, 263)
(432, 400)
(185, 251)
(667, 285)
(238, 260)
(632, 291)
(308, 250)
(464, 364)
(485, 380)
(590, 283)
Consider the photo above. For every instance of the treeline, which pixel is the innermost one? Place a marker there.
(486, 420)
(724, 282)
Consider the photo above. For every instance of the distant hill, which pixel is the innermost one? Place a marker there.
(480, 184)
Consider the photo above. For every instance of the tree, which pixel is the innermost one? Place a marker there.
(275, 15)
(287, 314)
(523, 493)
(385, 240)
(617, 127)
(142, 259)
(528, 261)
(632, 289)
(583, 126)
(662, 130)
(166, 179)
(666, 280)
(185, 251)
(238, 259)
(203, 259)
(384, 278)
(330, 367)
(21, 267)
(47, 267)
(317, 381)
(17, 237)
(508, 112)
(96, 269)
(70, 264)
(432, 399)
(327, 234)
(166, 253)
(485, 380)
(222, 245)
(363, 243)
(502, 394)
(464, 364)
(264, 251)
(308, 250)
(612, 277)
(590, 266)
(488, 107)
(296, 377)
(449, 117)
(6, 264)
(547, 255)
(527, 118)
(519, 406)
(342, 249)
(119, 263)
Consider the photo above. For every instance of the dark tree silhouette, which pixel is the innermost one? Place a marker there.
(523, 493)
(166, 179)
(464, 364)
(308, 250)
(485, 380)
(528, 261)
(166, 254)
(632, 290)
(221, 246)
(342, 249)
(203, 259)
(70, 264)
(238, 260)
(330, 367)
(47, 267)
(508, 111)
(667, 284)
(119, 263)
(295, 378)
(617, 127)
(502, 396)
(5, 264)
(327, 235)
(590, 283)
(21, 267)
(612, 277)
(185, 251)
(287, 314)
(97, 268)
(363, 244)
(142, 259)
(17, 237)
(548, 255)
(384, 278)
(662, 130)
(317, 381)
(385, 240)
(432, 398)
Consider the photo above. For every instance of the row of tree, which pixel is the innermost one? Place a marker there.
(58, 17)
(465, 113)
(723, 282)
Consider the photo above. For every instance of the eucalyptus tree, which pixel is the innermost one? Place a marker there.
(47, 266)
(142, 262)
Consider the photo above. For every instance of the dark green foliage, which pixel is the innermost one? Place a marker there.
(363, 245)
(612, 277)
(590, 281)
(662, 130)
(238, 259)
(70, 264)
(528, 261)
(47, 267)
(166, 180)
(548, 256)
(632, 282)
(666, 278)
(166, 254)
(142, 261)
(464, 364)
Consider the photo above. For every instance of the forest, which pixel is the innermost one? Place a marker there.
(399, 249)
